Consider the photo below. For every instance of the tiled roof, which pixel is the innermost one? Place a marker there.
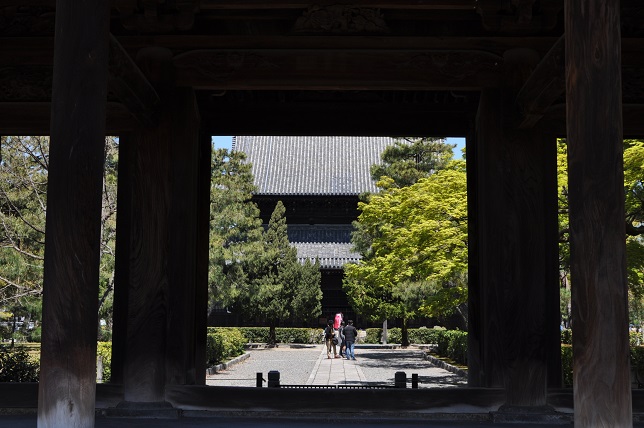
(332, 255)
(320, 233)
(312, 165)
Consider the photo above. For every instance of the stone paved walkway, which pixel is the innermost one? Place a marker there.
(308, 365)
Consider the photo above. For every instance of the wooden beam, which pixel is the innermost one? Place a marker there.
(357, 120)
(543, 87)
(304, 4)
(33, 118)
(67, 387)
(601, 368)
(129, 84)
(337, 70)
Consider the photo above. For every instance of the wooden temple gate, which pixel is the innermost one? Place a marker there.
(164, 76)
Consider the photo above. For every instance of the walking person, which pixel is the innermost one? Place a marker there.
(329, 336)
(350, 336)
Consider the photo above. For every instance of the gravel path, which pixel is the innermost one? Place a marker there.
(296, 363)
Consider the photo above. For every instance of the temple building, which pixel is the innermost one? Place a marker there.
(319, 180)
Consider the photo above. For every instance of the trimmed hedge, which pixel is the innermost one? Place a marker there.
(222, 344)
(373, 335)
(283, 335)
(566, 364)
(104, 349)
(16, 365)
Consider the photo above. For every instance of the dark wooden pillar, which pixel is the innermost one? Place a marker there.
(160, 236)
(203, 246)
(70, 302)
(601, 369)
(515, 237)
(184, 222)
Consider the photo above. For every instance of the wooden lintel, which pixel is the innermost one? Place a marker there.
(543, 87)
(130, 85)
(337, 69)
(33, 118)
(303, 4)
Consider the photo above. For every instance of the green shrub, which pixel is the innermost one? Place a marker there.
(16, 365)
(424, 335)
(394, 335)
(457, 346)
(35, 335)
(373, 335)
(222, 344)
(566, 364)
(299, 335)
(634, 338)
(256, 334)
(104, 350)
(283, 335)
(566, 336)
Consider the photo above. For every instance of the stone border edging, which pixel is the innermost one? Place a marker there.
(223, 366)
(446, 366)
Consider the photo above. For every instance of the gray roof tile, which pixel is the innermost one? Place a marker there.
(332, 255)
(312, 165)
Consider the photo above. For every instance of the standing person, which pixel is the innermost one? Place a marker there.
(329, 335)
(350, 336)
(341, 338)
(337, 320)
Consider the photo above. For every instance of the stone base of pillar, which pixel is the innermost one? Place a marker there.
(530, 414)
(130, 409)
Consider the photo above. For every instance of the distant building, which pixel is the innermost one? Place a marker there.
(319, 180)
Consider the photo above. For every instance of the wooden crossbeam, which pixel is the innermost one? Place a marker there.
(337, 69)
(129, 84)
(543, 87)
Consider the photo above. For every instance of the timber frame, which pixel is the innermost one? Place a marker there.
(511, 76)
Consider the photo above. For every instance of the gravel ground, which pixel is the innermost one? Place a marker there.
(296, 363)
(381, 365)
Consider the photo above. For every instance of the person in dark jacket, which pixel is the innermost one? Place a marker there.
(350, 336)
(341, 338)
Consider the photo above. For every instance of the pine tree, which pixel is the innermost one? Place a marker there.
(282, 288)
(235, 230)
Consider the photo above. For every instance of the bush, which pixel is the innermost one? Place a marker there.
(299, 335)
(394, 335)
(16, 365)
(222, 344)
(283, 335)
(566, 364)
(35, 335)
(424, 335)
(566, 336)
(457, 346)
(104, 350)
(373, 335)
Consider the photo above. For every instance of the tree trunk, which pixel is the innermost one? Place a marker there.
(405, 333)
(272, 336)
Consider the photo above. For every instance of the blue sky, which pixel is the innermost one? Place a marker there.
(225, 143)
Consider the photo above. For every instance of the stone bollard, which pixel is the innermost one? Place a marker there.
(273, 379)
(259, 380)
(99, 369)
(400, 380)
(414, 380)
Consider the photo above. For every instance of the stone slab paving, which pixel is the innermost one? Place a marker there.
(308, 365)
